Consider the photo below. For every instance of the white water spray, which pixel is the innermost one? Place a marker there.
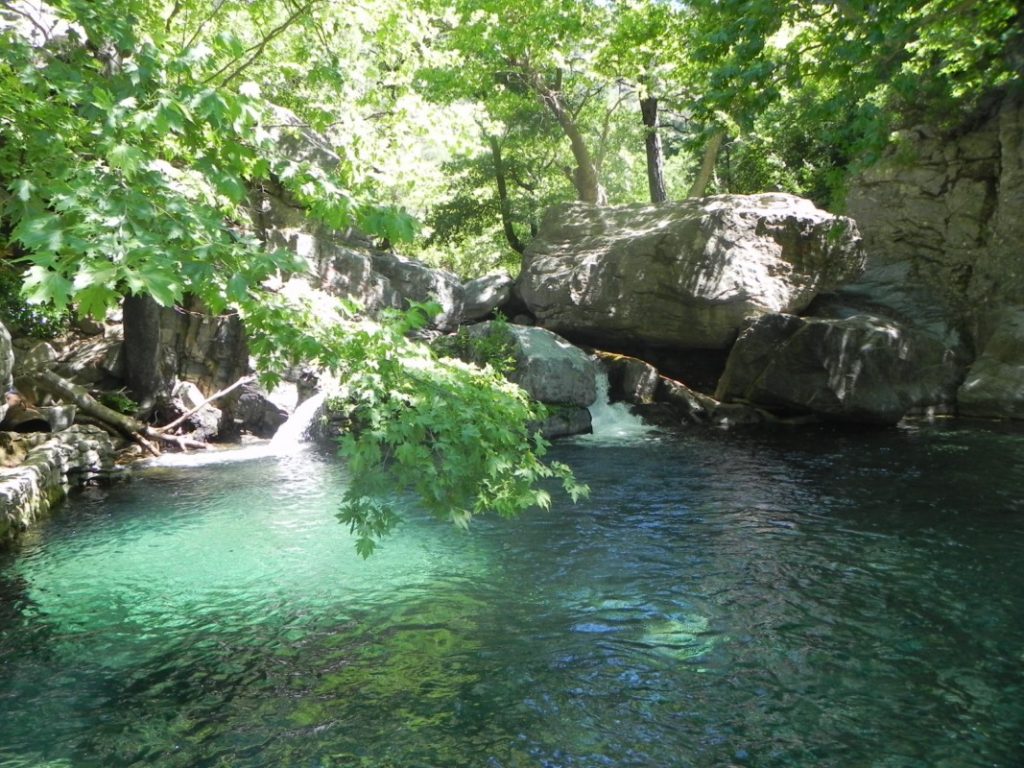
(287, 441)
(613, 421)
(292, 434)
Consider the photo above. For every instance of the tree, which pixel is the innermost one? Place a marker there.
(821, 87)
(127, 148)
(533, 50)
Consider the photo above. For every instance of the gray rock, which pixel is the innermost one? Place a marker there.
(683, 275)
(688, 405)
(547, 366)
(862, 368)
(59, 417)
(254, 412)
(165, 344)
(416, 282)
(944, 212)
(47, 466)
(481, 297)
(892, 291)
(204, 423)
(39, 356)
(630, 380)
(299, 142)
(994, 386)
(346, 264)
(566, 421)
(348, 271)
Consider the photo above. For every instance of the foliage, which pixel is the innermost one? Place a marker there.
(455, 435)
(494, 349)
(128, 151)
(21, 319)
(119, 401)
(129, 142)
(821, 87)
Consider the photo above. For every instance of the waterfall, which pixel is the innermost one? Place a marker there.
(287, 441)
(613, 420)
(290, 436)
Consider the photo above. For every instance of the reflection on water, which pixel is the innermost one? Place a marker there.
(802, 599)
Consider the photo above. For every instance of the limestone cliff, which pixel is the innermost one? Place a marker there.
(943, 224)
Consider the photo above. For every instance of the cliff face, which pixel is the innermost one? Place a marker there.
(943, 226)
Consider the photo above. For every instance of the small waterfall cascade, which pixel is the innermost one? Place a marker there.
(613, 420)
(290, 436)
(287, 441)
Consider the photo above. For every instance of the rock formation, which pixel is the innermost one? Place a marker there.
(551, 370)
(685, 275)
(941, 215)
(860, 369)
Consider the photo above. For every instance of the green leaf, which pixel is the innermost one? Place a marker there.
(44, 286)
(95, 274)
(39, 232)
(96, 300)
(22, 189)
(151, 280)
(238, 287)
(125, 157)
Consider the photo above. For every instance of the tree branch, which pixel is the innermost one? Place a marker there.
(9, 7)
(199, 30)
(257, 50)
(206, 402)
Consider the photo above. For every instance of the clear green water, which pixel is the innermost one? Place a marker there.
(805, 599)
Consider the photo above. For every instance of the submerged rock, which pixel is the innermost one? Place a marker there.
(684, 275)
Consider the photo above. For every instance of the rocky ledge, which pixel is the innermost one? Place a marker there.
(46, 467)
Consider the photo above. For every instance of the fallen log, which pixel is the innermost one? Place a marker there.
(127, 426)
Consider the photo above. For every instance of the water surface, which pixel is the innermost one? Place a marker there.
(814, 598)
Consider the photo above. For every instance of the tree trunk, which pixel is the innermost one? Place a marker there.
(655, 154)
(707, 166)
(506, 207)
(150, 356)
(585, 176)
(126, 426)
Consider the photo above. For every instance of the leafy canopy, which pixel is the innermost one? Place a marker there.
(127, 151)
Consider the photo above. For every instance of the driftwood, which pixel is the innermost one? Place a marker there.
(129, 427)
(215, 396)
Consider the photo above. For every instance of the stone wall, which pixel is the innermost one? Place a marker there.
(46, 467)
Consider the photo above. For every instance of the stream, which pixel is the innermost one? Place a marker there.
(809, 598)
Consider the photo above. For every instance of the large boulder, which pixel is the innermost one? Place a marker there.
(547, 366)
(862, 368)
(415, 282)
(347, 264)
(550, 369)
(994, 385)
(684, 275)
